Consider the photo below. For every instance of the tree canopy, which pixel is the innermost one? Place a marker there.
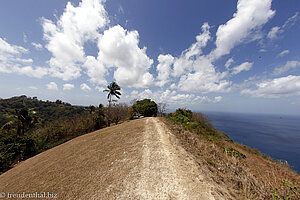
(145, 107)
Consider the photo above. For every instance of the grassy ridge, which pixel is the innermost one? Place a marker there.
(245, 172)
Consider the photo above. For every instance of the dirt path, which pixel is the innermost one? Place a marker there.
(134, 160)
(167, 171)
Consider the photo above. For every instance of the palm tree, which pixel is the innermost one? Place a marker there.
(25, 119)
(112, 90)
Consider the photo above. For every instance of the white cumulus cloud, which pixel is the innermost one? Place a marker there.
(173, 98)
(246, 66)
(68, 86)
(164, 69)
(52, 86)
(37, 72)
(119, 48)
(275, 88)
(274, 32)
(250, 16)
(11, 61)
(38, 46)
(185, 62)
(67, 37)
(95, 70)
(288, 66)
(229, 63)
(85, 87)
(204, 79)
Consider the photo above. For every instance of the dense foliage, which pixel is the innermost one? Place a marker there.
(14, 148)
(197, 123)
(47, 111)
(145, 107)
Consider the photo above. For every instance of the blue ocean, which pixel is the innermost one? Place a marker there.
(274, 135)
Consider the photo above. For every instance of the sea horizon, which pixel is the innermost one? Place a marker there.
(277, 136)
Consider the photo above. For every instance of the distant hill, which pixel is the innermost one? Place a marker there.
(46, 110)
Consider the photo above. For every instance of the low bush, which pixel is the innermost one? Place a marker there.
(235, 153)
(15, 148)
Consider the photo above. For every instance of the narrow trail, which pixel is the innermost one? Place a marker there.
(167, 171)
(139, 159)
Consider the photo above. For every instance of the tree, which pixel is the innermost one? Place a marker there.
(161, 108)
(99, 117)
(119, 112)
(92, 109)
(145, 107)
(113, 90)
(25, 119)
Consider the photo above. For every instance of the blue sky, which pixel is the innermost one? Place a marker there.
(206, 55)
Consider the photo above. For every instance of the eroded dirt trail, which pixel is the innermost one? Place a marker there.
(167, 171)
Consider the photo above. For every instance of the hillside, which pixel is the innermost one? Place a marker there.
(135, 160)
(149, 158)
(46, 110)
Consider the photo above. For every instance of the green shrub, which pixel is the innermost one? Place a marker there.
(145, 107)
(15, 148)
(287, 191)
(192, 125)
(234, 153)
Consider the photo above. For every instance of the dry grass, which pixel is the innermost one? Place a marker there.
(252, 178)
(82, 168)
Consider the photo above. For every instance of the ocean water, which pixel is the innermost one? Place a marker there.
(274, 135)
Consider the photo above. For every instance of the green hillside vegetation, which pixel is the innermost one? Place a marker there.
(47, 110)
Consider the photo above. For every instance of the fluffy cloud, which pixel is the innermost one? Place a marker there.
(85, 87)
(195, 71)
(9, 54)
(204, 83)
(289, 65)
(228, 63)
(164, 69)
(250, 16)
(275, 88)
(173, 98)
(67, 37)
(202, 39)
(119, 48)
(38, 46)
(274, 32)
(205, 79)
(52, 86)
(246, 66)
(283, 53)
(68, 86)
(95, 70)
(11, 61)
(37, 72)
(185, 62)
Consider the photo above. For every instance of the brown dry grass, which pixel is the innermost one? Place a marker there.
(252, 178)
(82, 168)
